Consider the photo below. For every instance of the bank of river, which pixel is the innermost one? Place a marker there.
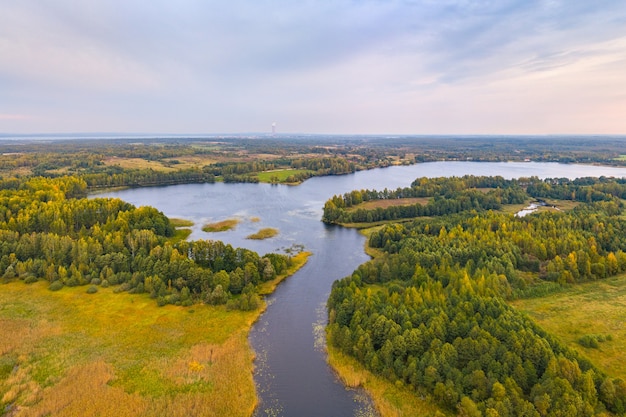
(292, 376)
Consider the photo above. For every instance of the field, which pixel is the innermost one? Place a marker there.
(374, 204)
(165, 165)
(594, 309)
(221, 226)
(73, 353)
(69, 353)
(137, 163)
(279, 175)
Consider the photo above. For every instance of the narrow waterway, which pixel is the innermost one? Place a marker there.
(292, 376)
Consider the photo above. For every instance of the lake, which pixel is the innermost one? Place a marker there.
(292, 376)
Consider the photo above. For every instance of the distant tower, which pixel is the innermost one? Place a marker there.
(273, 128)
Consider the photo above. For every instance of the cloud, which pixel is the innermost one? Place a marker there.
(313, 65)
(6, 116)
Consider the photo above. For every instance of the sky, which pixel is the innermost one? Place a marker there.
(313, 66)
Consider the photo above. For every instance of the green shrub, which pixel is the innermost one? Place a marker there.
(92, 289)
(55, 286)
(593, 340)
(7, 364)
(30, 279)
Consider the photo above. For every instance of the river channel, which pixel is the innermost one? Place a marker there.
(292, 376)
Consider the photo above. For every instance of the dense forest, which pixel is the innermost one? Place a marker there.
(431, 310)
(50, 231)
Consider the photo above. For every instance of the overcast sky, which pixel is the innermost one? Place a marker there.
(313, 66)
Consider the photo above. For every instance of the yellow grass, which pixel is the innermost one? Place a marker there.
(189, 161)
(221, 226)
(390, 400)
(595, 308)
(265, 233)
(138, 163)
(68, 353)
(374, 204)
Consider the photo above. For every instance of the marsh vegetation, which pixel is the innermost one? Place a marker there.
(265, 233)
(221, 226)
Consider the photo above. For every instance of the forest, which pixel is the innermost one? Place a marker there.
(50, 231)
(430, 311)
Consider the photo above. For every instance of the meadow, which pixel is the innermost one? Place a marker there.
(280, 175)
(596, 309)
(69, 353)
(140, 163)
(374, 204)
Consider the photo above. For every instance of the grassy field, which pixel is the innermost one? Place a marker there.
(83, 354)
(374, 204)
(138, 163)
(264, 233)
(595, 309)
(69, 353)
(279, 175)
(222, 226)
(166, 165)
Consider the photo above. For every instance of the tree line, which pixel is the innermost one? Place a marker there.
(431, 312)
(454, 195)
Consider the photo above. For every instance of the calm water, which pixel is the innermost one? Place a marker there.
(292, 376)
